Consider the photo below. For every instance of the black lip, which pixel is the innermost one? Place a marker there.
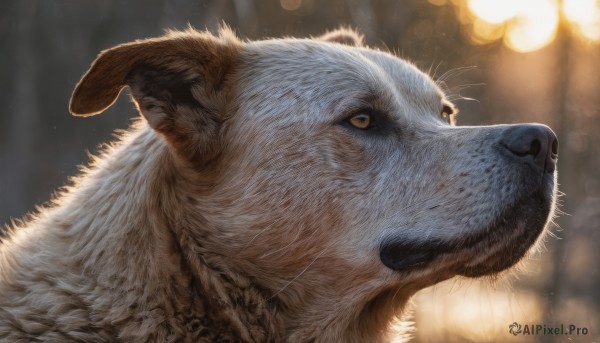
(407, 255)
(529, 212)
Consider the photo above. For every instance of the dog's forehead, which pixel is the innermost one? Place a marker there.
(410, 80)
(330, 73)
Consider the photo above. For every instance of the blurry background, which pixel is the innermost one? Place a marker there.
(535, 61)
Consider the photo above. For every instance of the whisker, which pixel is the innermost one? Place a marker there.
(302, 272)
(452, 73)
(298, 234)
(263, 230)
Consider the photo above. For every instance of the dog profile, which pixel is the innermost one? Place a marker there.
(284, 190)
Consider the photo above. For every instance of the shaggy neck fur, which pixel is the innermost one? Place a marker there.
(100, 246)
(160, 279)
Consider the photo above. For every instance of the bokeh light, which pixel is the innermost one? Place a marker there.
(290, 5)
(530, 25)
(494, 12)
(534, 27)
(584, 16)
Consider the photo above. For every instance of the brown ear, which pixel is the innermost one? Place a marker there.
(343, 36)
(177, 82)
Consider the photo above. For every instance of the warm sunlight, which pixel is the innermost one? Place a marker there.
(531, 25)
(534, 27)
(584, 15)
(464, 303)
(494, 12)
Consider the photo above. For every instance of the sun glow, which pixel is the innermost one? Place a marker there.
(584, 15)
(534, 27)
(494, 12)
(532, 24)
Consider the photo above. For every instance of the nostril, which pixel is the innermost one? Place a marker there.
(524, 146)
(555, 148)
(532, 144)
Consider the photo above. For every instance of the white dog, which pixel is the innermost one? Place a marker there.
(297, 190)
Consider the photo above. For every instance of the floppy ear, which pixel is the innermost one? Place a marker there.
(177, 81)
(344, 36)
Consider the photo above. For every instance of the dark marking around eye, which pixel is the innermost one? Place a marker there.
(363, 121)
(366, 120)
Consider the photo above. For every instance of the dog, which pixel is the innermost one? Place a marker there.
(284, 190)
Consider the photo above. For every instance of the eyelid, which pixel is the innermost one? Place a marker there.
(371, 120)
(361, 110)
(356, 108)
(379, 120)
(383, 121)
(360, 106)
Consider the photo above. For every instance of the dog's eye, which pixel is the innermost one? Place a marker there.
(362, 121)
(447, 113)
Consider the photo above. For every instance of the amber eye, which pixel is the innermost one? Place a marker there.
(362, 121)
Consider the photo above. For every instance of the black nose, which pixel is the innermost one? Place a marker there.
(533, 143)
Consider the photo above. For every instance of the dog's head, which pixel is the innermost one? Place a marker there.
(332, 174)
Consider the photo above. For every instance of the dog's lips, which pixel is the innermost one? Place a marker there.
(519, 230)
(401, 256)
(493, 249)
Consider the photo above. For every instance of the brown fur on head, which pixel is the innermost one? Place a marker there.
(178, 82)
